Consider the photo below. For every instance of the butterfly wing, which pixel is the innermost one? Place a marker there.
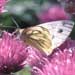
(60, 30)
(47, 36)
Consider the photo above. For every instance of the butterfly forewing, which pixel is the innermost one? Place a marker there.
(59, 30)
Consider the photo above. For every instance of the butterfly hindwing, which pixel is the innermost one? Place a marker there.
(38, 37)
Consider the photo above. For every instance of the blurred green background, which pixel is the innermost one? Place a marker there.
(25, 13)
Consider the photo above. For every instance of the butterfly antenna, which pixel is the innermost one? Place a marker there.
(17, 25)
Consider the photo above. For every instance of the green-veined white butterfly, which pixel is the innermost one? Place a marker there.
(47, 36)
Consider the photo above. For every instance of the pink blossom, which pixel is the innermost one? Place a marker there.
(12, 53)
(15, 54)
(61, 62)
(34, 56)
(2, 5)
(54, 13)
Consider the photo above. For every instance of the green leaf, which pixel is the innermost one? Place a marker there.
(6, 22)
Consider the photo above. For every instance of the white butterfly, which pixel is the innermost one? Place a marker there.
(47, 36)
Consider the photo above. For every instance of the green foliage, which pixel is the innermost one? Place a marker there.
(6, 22)
(25, 71)
(73, 33)
(25, 13)
(26, 10)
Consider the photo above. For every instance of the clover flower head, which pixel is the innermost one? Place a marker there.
(15, 54)
(2, 5)
(54, 13)
(61, 62)
(12, 53)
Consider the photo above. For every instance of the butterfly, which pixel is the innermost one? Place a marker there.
(46, 36)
